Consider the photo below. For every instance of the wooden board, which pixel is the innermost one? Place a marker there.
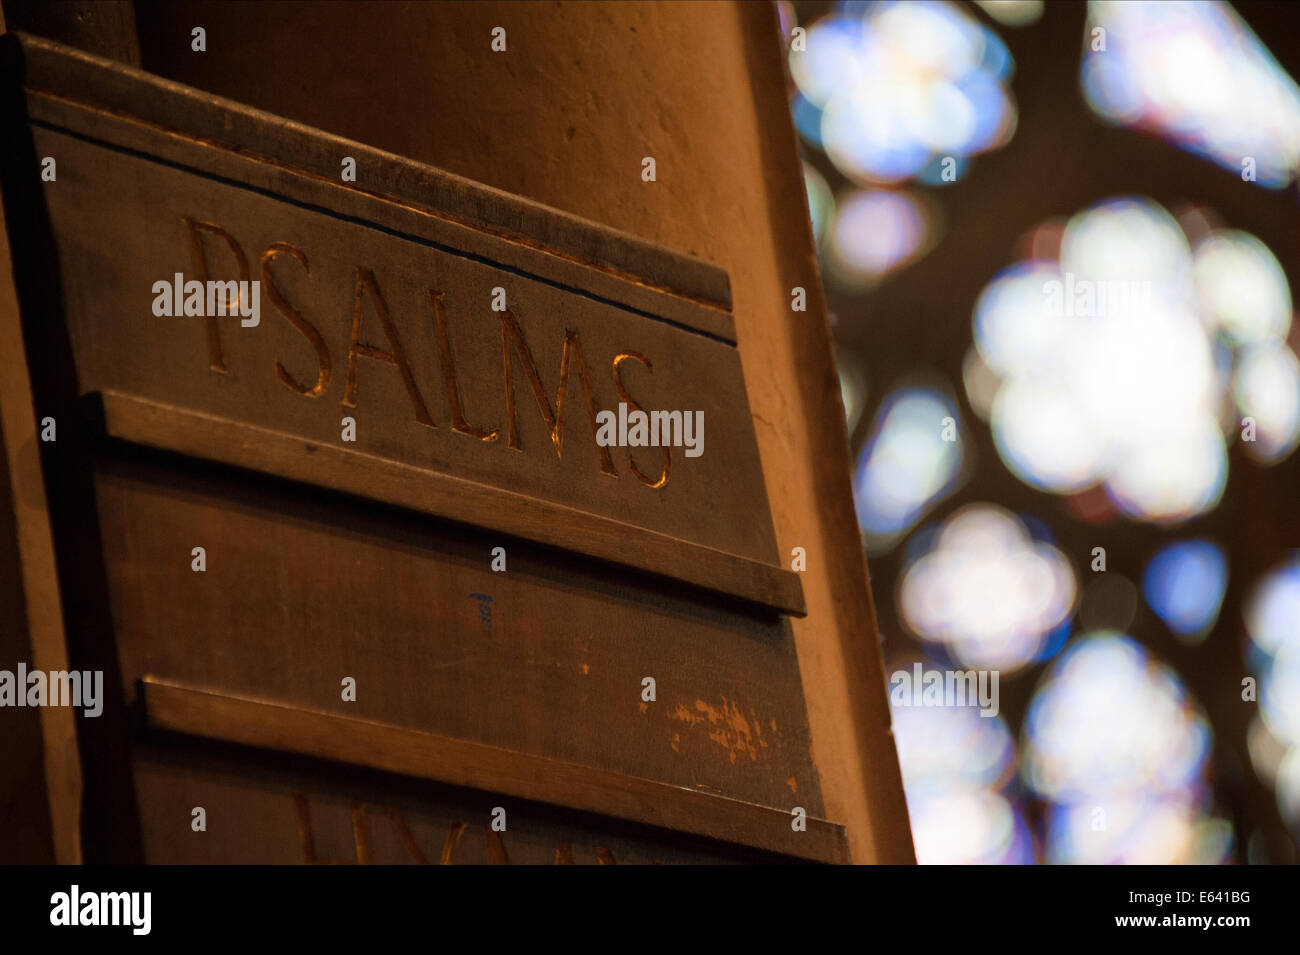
(333, 567)
(273, 809)
(380, 309)
(509, 775)
(303, 590)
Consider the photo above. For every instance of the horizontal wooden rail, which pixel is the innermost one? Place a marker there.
(197, 712)
(57, 74)
(169, 428)
(130, 109)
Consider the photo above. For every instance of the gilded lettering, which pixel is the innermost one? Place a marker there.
(494, 845)
(459, 423)
(296, 319)
(395, 356)
(198, 262)
(305, 840)
(662, 479)
(404, 833)
(511, 333)
(496, 849)
(454, 832)
(360, 833)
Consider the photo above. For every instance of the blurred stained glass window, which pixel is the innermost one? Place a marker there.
(1047, 249)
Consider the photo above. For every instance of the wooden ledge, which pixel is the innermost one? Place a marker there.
(57, 76)
(178, 708)
(169, 428)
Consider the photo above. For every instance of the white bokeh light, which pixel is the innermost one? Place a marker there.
(1115, 745)
(987, 590)
(906, 465)
(1242, 287)
(1116, 364)
(957, 766)
(873, 233)
(1197, 75)
(888, 88)
(1266, 388)
(1272, 617)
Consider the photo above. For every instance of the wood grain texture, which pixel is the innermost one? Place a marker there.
(34, 621)
(101, 27)
(211, 438)
(304, 587)
(308, 584)
(270, 807)
(469, 399)
(808, 466)
(57, 72)
(182, 709)
(702, 87)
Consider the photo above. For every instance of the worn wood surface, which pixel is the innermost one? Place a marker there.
(103, 27)
(272, 807)
(169, 706)
(393, 329)
(565, 118)
(303, 588)
(324, 584)
(168, 428)
(45, 772)
(53, 72)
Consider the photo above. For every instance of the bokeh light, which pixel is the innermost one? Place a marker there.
(1124, 358)
(1273, 621)
(821, 204)
(1012, 13)
(1279, 696)
(1184, 584)
(987, 590)
(1266, 389)
(1242, 287)
(873, 233)
(1197, 75)
(1116, 746)
(1116, 362)
(957, 766)
(853, 386)
(886, 88)
(906, 465)
(1273, 612)
(981, 383)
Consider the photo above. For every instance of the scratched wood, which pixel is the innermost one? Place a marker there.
(302, 590)
(269, 809)
(377, 310)
(174, 707)
(42, 795)
(168, 428)
(371, 560)
(58, 78)
(23, 784)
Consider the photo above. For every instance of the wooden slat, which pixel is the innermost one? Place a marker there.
(156, 425)
(197, 712)
(59, 77)
(42, 608)
(186, 157)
